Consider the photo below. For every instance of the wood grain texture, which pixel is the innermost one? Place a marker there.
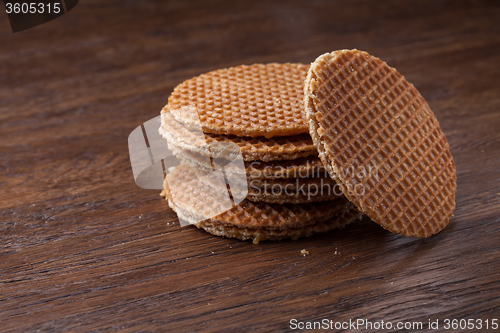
(82, 248)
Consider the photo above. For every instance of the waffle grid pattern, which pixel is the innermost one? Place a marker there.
(250, 214)
(368, 112)
(333, 222)
(257, 100)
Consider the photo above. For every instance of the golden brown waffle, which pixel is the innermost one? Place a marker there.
(310, 166)
(256, 101)
(337, 221)
(261, 215)
(252, 149)
(361, 113)
(199, 204)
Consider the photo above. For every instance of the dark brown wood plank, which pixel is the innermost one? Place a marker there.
(83, 248)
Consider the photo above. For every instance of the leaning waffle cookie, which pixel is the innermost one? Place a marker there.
(256, 101)
(299, 168)
(361, 112)
(259, 148)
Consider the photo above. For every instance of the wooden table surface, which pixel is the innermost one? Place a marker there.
(82, 248)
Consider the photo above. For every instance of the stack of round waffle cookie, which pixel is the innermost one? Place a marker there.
(256, 114)
(305, 136)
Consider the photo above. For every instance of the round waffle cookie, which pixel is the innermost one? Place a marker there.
(255, 101)
(199, 204)
(252, 149)
(220, 227)
(361, 113)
